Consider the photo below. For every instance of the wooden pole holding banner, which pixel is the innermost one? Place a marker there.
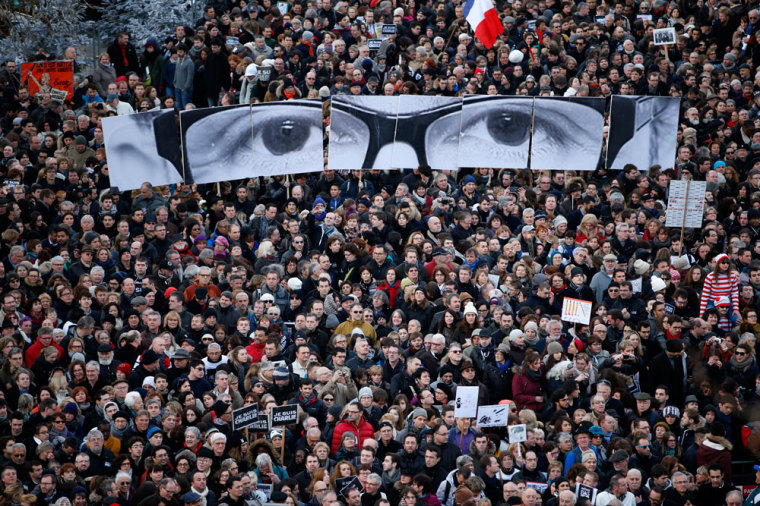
(287, 188)
(683, 219)
(282, 448)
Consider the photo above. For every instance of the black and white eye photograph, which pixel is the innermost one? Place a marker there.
(495, 132)
(427, 132)
(362, 130)
(567, 133)
(643, 131)
(217, 143)
(287, 137)
(663, 36)
(142, 147)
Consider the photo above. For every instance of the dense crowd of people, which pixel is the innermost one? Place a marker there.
(133, 324)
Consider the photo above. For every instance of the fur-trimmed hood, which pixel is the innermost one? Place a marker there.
(717, 443)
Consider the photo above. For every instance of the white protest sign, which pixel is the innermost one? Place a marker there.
(466, 405)
(539, 486)
(493, 416)
(518, 433)
(664, 36)
(636, 285)
(576, 310)
(686, 204)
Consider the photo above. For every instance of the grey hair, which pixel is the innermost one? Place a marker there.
(93, 363)
(216, 436)
(191, 271)
(263, 460)
(463, 459)
(131, 398)
(95, 433)
(25, 401)
(194, 430)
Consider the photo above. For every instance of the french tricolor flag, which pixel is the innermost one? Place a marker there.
(484, 20)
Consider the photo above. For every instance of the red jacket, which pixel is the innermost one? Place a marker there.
(256, 351)
(363, 430)
(525, 391)
(35, 350)
(716, 450)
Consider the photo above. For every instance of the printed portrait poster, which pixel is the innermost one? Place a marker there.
(54, 77)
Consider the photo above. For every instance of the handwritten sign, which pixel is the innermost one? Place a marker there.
(54, 77)
(686, 204)
(493, 416)
(466, 403)
(244, 417)
(284, 415)
(576, 310)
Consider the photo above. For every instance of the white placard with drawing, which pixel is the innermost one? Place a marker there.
(466, 404)
(493, 416)
(518, 433)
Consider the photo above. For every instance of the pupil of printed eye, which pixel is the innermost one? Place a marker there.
(507, 128)
(291, 135)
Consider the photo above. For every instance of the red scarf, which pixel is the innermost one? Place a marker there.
(124, 54)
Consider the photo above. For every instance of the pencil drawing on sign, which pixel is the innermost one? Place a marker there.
(142, 148)
(259, 140)
(394, 132)
(495, 132)
(643, 131)
(567, 133)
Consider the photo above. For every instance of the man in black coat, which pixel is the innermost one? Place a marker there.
(672, 369)
(217, 72)
(123, 55)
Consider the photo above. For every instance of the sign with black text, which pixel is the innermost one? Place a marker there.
(261, 424)
(585, 492)
(284, 415)
(345, 484)
(245, 417)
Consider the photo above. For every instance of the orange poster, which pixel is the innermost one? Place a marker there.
(54, 77)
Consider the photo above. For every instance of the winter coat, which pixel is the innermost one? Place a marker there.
(716, 450)
(118, 58)
(525, 390)
(313, 406)
(411, 463)
(184, 71)
(217, 75)
(153, 66)
(102, 77)
(363, 431)
(745, 379)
